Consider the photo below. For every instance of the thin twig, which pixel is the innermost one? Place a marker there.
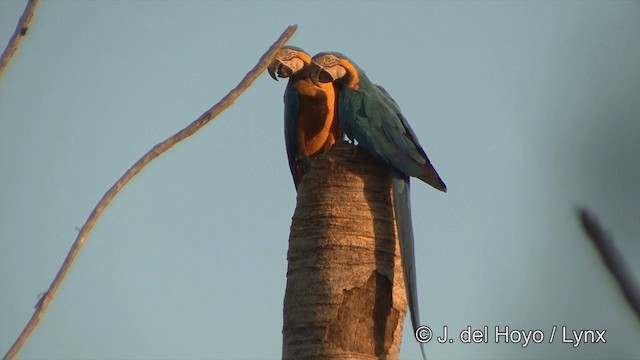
(160, 148)
(21, 31)
(612, 258)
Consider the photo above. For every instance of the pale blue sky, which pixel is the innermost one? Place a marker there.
(527, 109)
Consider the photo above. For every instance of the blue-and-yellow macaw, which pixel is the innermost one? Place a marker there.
(368, 115)
(310, 125)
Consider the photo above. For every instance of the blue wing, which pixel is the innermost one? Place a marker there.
(373, 118)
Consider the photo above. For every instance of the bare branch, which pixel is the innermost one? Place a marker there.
(612, 259)
(160, 148)
(21, 30)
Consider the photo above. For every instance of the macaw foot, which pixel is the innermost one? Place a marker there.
(355, 151)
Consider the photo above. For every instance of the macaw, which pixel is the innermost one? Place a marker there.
(368, 115)
(310, 124)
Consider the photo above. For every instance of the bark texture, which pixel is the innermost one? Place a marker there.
(345, 295)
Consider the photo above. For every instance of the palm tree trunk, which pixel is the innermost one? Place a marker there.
(345, 295)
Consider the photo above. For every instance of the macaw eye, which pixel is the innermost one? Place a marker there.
(287, 54)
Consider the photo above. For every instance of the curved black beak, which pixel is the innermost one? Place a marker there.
(318, 74)
(273, 68)
(314, 73)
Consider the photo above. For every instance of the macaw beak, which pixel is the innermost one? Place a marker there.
(273, 68)
(279, 69)
(314, 73)
(318, 74)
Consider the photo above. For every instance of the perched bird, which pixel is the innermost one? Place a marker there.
(310, 124)
(368, 115)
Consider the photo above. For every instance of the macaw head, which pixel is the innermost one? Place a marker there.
(289, 61)
(334, 67)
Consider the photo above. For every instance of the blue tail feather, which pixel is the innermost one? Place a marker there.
(402, 212)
